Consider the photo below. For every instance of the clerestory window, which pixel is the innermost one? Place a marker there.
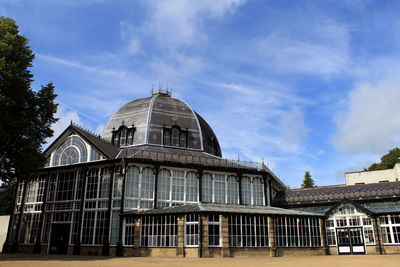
(175, 136)
(124, 136)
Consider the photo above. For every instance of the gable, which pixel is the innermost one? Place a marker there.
(73, 146)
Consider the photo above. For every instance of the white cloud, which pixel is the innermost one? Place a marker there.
(372, 123)
(133, 46)
(325, 51)
(179, 22)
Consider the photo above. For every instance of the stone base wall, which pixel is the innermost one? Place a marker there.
(299, 251)
(250, 252)
(391, 249)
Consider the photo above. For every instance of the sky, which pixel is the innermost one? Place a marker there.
(301, 85)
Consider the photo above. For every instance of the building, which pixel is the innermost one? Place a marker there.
(367, 177)
(155, 184)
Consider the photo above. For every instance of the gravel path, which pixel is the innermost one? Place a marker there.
(307, 261)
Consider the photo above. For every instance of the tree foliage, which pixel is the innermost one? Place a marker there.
(26, 115)
(387, 161)
(308, 182)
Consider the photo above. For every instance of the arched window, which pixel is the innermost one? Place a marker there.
(72, 150)
(163, 188)
(147, 189)
(183, 139)
(69, 156)
(219, 188)
(132, 187)
(246, 190)
(167, 137)
(206, 186)
(192, 187)
(258, 192)
(175, 136)
(175, 132)
(232, 190)
(178, 185)
(123, 136)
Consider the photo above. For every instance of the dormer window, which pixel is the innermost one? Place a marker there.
(211, 146)
(124, 136)
(175, 136)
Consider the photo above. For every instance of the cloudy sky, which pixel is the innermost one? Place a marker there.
(302, 85)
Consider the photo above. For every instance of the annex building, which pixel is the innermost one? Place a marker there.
(155, 184)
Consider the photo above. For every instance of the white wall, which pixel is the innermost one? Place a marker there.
(369, 177)
(3, 229)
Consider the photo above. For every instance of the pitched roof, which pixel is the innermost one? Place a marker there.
(104, 147)
(220, 208)
(326, 194)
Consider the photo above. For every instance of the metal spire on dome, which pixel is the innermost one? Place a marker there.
(160, 91)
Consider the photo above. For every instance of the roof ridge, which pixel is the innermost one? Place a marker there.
(89, 132)
(340, 185)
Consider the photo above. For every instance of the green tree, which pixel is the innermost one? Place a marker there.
(308, 182)
(26, 115)
(387, 161)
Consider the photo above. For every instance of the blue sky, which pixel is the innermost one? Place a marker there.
(304, 85)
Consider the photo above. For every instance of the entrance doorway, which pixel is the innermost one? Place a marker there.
(350, 240)
(59, 238)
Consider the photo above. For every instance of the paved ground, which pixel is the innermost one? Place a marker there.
(308, 261)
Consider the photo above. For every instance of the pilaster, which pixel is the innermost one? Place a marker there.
(272, 236)
(377, 235)
(323, 236)
(225, 251)
(180, 246)
(204, 236)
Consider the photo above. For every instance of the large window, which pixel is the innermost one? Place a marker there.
(390, 227)
(176, 188)
(246, 191)
(207, 188)
(297, 232)
(139, 188)
(192, 230)
(252, 191)
(214, 230)
(129, 231)
(158, 231)
(248, 231)
(232, 190)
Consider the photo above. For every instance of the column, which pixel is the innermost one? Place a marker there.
(136, 237)
(272, 236)
(200, 174)
(180, 246)
(37, 249)
(106, 236)
(204, 236)
(323, 236)
(270, 192)
(266, 198)
(119, 250)
(156, 171)
(21, 211)
(378, 236)
(77, 247)
(240, 175)
(225, 251)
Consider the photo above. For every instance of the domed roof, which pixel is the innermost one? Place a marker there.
(156, 118)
